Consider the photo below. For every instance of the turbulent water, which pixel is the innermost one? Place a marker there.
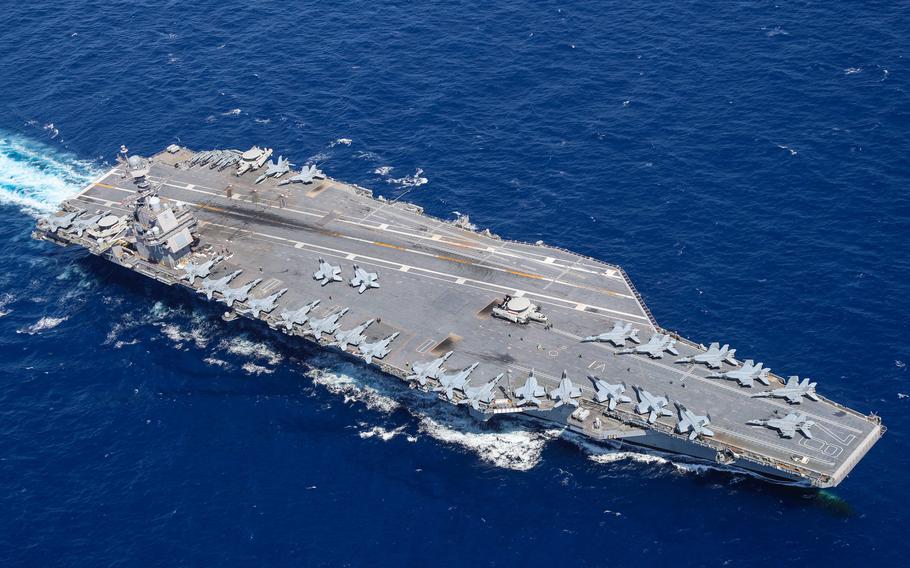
(747, 163)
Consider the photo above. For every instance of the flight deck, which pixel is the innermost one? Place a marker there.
(440, 298)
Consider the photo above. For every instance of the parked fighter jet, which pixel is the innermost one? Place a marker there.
(530, 391)
(655, 347)
(714, 357)
(746, 374)
(482, 394)
(192, 270)
(651, 405)
(209, 286)
(793, 391)
(198, 157)
(328, 324)
(231, 295)
(787, 426)
(83, 223)
(364, 279)
(306, 176)
(276, 170)
(617, 336)
(607, 392)
(327, 273)
(55, 222)
(449, 382)
(297, 317)
(377, 349)
(353, 336)
(422, 372)
(693, 423)
(266, 304)
(565, 392)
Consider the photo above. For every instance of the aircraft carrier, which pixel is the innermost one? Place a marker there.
(497, 326)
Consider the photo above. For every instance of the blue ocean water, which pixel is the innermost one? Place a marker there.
(746, 162)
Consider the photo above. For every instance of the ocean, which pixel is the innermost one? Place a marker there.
(745, 162)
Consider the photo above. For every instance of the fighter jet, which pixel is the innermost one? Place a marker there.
(306, 176)
(565, 392)
(692, 423)
(787, 426)
(530, 391)
(353, 336)
(651, 405)
(266, 304)
(377, 349)
(55, 222)
(328, 324)
(198, 157)
(655, 347)
(714, 357)
(231, 295)
(607, 392)
(83, 223)
(364, 279)
(297, 317)
(327, 273)
(746, 374)
(449, 382)
(617, 336)
(209, 286)
(276, 170)
(482, 394)
(793, 391)
(192, 270)
(422, 372)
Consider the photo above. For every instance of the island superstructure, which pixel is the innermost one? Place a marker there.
(499, 327)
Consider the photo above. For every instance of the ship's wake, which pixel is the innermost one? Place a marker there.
(36, 177)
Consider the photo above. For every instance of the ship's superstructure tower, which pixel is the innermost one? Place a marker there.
(162, 230)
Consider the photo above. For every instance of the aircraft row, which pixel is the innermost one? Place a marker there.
(745, 373)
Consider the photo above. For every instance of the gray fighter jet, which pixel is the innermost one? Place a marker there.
(194, 270)
(55, 222)
(692, 423)
(655, 347)
(746, 375)
(290, 318)
(377, 349)
(714, 357)
(651, 405)
(422, 372)
(604, 392)
(276, 170)
(210, 286)
(565, 392)
(793, 391)
(266, 304)
(364, 279)
(83, 223)
(231, 295)
(530, 391)
(327, 273)
(306, 176)
(617, 336)
(449, 382)
(353, 336)
(787, 426)
(328, 324)
(482, 394)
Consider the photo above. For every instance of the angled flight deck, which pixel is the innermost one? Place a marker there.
(425, 289)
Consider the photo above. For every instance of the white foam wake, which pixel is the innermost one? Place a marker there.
(512, 446)
(36, 177)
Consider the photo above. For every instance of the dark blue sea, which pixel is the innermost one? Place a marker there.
(748, 163)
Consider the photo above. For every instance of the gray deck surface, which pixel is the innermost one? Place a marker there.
(436, 280)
